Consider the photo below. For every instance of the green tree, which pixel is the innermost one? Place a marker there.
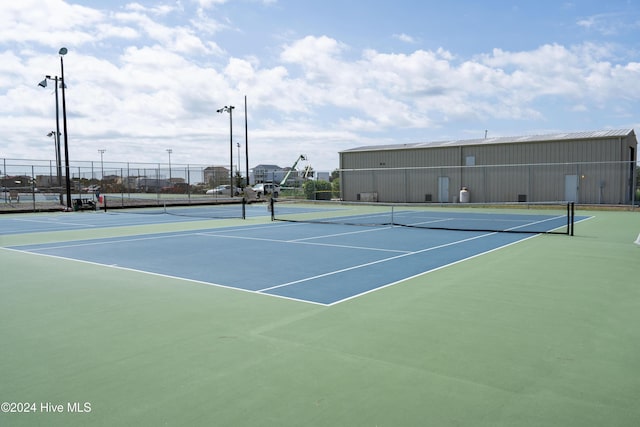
(335, 187)
(317, 190)
(238, 180)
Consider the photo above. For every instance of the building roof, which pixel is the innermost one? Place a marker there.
(267, 167)
(500, 140)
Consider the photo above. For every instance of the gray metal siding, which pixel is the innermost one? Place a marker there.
(411, 173)
(550, 152)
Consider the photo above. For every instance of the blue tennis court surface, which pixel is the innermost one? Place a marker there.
(65, 221)
(553, 218)
(316, 263)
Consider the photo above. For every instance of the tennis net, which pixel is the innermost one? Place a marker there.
(199, 207)
(547, 218)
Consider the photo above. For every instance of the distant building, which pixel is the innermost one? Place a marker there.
(584, 167)
(216, 175)
(48, 181)
(17, 182)
(325, 176)
(268, 173)
(151, 185)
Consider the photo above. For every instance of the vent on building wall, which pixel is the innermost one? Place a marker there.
(367, 197)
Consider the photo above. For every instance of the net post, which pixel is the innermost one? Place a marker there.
(271, 209)
(244, 208)
(104, 202)
(572, 216)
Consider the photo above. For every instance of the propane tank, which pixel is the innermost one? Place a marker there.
(464, 195)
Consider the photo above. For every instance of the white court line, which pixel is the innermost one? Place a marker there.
(300, 242)
(373, 262)
(340, 234)
(52, 222)
(440, 267)
(199, 282)
(264, 290)
(304, 242)
(484, 220)
(539, 222)
(100, 242)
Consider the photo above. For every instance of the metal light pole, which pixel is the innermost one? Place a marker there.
(57, 133)
(239, 173)
(169, 150)
(246, 139)
(229, 109)
(62, 52)
(101, 151)
(56, 141)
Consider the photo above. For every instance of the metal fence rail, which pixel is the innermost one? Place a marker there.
(37, 185)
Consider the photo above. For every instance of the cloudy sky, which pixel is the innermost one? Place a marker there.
(319, 76)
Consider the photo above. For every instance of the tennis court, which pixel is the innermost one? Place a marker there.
(182, 320)
(347, 262)
(20, 224)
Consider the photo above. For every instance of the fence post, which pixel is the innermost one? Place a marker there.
(189, 183)
(33, 188)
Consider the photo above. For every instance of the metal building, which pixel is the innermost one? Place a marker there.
(585, 167)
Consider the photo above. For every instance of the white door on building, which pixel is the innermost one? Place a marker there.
(571, 188)
(443, 189)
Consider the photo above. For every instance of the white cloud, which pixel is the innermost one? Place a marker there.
(313, 52)
(137, 83)
(108, 31)
(207, 25)
(404, 38)
(160, 10)
(607, 24)
(206, 4)
(179, 39)
(47, 22)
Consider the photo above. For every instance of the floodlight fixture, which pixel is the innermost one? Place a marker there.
(43, 83)
(57, 133)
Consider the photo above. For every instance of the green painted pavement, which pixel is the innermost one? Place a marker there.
(541, 333)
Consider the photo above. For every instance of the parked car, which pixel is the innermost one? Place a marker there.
(223, 190)
(266, 189)
(91, 189)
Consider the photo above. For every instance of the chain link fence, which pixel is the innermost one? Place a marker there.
(40, 185)
(587, 183)
(32, 185)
